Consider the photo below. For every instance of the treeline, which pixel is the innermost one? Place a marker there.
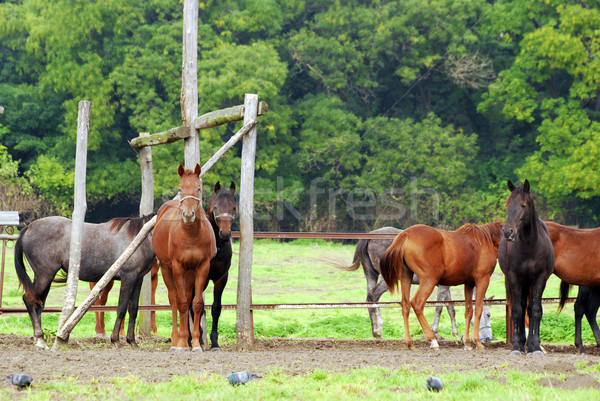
(381, 112)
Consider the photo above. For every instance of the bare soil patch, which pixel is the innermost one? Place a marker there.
(92, 359)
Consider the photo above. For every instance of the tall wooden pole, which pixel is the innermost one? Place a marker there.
(146, 207)
(244, 325)
(189, 81)
(80, 206)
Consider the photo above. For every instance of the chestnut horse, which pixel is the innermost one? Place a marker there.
(577, 262)
(184, 244)
(368, 254)
(465, 256)
(526, 257)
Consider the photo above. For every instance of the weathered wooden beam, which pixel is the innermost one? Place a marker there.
(224, 116)
(172, 135)
(80, 206)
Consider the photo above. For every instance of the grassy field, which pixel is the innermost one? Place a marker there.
(290, 272)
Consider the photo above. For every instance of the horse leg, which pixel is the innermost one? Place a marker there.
(198, 302)
(580, 310)
(373, 295)
(216, 312)
(405, 284)
(515, 294)
(134, 302)
(536, 311)
(418, 303)
(154, 284)
(468, 315)
(41, 287)
(592, 310)
(124, 299)
(101, 301)
(480, 290)
(184, 294)
(167, 274)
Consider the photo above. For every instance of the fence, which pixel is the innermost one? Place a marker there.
(273, 235)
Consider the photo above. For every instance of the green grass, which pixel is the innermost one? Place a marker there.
(357, 384)
(290, 272)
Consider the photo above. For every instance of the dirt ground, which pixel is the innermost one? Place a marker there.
(95, 360)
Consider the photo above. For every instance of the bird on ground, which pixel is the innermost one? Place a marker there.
(240, 377)
(20, 380)
(434, 384)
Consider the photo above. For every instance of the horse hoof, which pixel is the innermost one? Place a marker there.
(515, 353)
(468, 348)
(178, 349)
(434, 344)
(536, 353)
(215, 349)
(103, 336)
(197, 349)
(41, 345)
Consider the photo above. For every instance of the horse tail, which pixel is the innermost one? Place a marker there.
(24, 279)
(391, 263)
(564, 294)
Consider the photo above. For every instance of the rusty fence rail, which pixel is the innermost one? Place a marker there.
(273, 235)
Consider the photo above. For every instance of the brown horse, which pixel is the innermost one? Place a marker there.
(465, 256)
(184, 243)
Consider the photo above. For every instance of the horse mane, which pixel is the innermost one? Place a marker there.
(134, 226)
(483, 233)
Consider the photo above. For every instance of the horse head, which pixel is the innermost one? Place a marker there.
(222, 209)
(520, 210)
(190, 193)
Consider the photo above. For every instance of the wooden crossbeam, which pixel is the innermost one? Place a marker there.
(224, 116)
(172, 135)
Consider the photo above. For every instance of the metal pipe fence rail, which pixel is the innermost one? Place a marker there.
(276, 235)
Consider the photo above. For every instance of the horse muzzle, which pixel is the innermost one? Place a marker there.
(509, 234)
(224, 235)
(188, 217)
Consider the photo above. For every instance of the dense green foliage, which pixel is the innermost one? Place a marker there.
(380, 112)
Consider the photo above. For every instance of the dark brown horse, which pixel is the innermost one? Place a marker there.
(526, 257)
(184, 243)
(46, 242)
(465, 256)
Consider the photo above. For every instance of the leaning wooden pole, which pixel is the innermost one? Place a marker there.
(83, 127)
(244, 324)
(146, 208)
(63, 333)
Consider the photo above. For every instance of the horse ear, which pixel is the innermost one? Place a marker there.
(526, 186)
(232, 188)
(217, 186)
(197, 170)
(180, 170)
(511, 186)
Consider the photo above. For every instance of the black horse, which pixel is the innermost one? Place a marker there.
(526, 257)
(46, 243)
(587, 303)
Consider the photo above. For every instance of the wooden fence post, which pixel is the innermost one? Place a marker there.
(189, 81)
(244, 326)
(83, 126)
(146, 208)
